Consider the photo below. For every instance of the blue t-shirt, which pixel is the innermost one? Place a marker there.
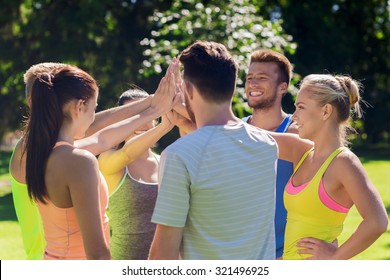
(284, 172)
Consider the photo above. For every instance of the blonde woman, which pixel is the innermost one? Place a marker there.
(328, 178)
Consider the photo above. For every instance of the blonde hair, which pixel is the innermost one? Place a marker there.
(31, 74)
(341, 91)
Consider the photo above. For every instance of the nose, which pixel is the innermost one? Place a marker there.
(253, 82)
(294, 116)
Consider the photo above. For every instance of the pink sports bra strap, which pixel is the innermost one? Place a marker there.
(62, 143)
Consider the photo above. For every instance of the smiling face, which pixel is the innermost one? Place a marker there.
(261, 86)
(308, 114)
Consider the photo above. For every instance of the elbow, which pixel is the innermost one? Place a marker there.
(152, 255)
(99, 254)
(155, 254)
(380, 225)
(383, 225)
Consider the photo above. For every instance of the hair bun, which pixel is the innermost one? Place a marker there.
(351, 88)
(47, 79)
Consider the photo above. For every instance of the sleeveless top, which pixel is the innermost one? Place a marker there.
(284, 171)
(29, 219)
(62, 230)
(311, 212)
(130, 210)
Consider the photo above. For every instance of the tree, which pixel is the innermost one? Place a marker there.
(236, 24)
(101, 37)
(346, 36)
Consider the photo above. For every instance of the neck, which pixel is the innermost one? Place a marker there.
(326, 141)
(214, 114)
(268, 119)
(66, 133)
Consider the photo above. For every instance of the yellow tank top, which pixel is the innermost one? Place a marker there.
(307, 215)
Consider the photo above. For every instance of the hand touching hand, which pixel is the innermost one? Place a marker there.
(165, 94)
(185, 125)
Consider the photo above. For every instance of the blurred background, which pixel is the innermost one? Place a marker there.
(120, 42)
(123, 42)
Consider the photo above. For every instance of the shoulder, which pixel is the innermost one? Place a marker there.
(194, 138)
(17, 162)
(105, 155)
(259, 134)
(18, 150)
(293, 128)
(346, 163)
(74, 158)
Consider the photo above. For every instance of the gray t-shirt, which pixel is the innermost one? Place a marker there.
(218, 182)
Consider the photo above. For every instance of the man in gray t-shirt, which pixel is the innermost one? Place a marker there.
(217, 184)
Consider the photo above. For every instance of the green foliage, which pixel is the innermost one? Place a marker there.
(124, 41)
(236, 24)
(101, 37)
(349, 37)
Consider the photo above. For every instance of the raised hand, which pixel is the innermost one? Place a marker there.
(184, 124)
(165, 94)
(166, 121)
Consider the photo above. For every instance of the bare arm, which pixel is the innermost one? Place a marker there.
(113, 115)
(112, 135)
(367, 200)
(84, 184)
(115, 161)
(369, 205)
(185, 125)
(291, 147)
(166, 243)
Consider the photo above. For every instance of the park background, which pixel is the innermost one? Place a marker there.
(132, 42)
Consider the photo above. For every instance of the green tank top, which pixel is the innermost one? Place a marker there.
(130, 209)
(28, 217)
(307, 214)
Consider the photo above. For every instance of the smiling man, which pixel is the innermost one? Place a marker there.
(267, 82)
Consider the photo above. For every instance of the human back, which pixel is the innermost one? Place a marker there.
(211, 208)
(26, 210)
(231, 192)
(63, 105)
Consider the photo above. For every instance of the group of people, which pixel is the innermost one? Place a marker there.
(270, 186)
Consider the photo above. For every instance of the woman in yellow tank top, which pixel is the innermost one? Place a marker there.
(328, 178)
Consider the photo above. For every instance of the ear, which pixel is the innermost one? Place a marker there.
(189, 89)
(282, 88)
(78, 106)
(327, 111)
(29, 101)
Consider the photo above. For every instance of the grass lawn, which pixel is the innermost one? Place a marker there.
(377, 166)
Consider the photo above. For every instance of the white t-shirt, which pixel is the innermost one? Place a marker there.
(218, 182)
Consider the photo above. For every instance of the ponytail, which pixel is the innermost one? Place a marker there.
(50, 92)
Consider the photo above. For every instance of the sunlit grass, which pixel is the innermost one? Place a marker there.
(377, 166)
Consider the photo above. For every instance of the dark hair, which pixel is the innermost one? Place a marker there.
(211, 69)
(283, 63)
(50, 92)
(132, 94)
